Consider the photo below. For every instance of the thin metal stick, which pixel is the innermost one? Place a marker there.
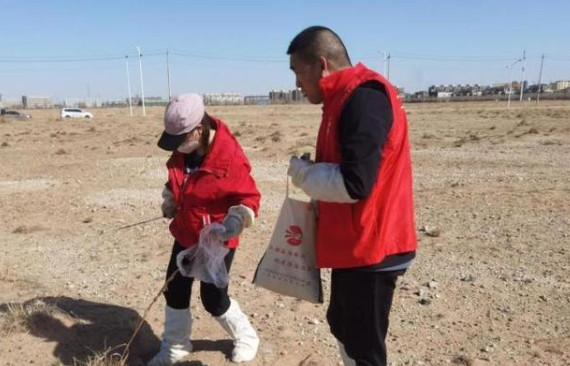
(140, 223)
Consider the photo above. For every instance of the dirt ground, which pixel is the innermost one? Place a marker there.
(490, 285)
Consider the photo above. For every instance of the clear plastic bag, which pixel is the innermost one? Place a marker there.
(205, 260)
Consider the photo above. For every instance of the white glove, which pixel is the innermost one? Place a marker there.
(168, 204)
(238, 218)
(298, 169)
(320, 181)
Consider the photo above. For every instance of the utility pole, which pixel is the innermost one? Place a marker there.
(510, 67)
(129, 84)
(522, 75)
(168, 75)
(539, 79)
(142, 84)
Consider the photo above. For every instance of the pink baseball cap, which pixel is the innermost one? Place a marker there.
(183, 113)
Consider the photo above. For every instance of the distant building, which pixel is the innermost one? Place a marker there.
(115, 103)
(444, 94)
(501, 85)
(82, 102)
(33, 101)
(256, 99)
(155, 101)
(562, 84)
(223, 99)
(286, 96)
(422, 94)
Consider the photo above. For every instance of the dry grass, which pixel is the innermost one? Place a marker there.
(20, 317)
(109, 357)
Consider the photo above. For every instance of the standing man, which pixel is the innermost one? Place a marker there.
(362, 182)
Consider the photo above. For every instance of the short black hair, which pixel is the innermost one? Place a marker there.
(317, 41)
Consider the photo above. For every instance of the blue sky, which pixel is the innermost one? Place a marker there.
(239, 46)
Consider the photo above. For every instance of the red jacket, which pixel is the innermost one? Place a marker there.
(364, 233)
(205, 195)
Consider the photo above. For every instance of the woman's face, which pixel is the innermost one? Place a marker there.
(192, 141)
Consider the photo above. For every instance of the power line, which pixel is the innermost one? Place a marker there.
(57, 60)
(451, 59)
(557, 59)
(226, 58)
(189, 54)
(60, 59)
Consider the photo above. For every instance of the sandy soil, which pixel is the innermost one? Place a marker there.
(491, 289)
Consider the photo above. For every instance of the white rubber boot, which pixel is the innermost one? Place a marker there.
(175, 339)
(345, 358)
(246, 341)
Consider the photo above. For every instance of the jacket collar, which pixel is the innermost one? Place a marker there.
(222, 150)
(335, 85)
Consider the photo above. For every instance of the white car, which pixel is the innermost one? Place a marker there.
(75, 113)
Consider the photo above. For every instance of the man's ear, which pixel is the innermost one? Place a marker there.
(325, 66)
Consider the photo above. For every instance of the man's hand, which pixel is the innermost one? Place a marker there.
(168, 203)
(298, 169)
(320, 181)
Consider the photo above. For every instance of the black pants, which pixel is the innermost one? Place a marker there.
(358, 312)
(215, 300)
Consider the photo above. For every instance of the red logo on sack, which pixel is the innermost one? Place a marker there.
(294, 235)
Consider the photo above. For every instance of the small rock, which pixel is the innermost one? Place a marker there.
(468, 278)
(432, 231)
(488, 349)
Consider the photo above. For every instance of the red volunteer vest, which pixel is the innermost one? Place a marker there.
(364, 233)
